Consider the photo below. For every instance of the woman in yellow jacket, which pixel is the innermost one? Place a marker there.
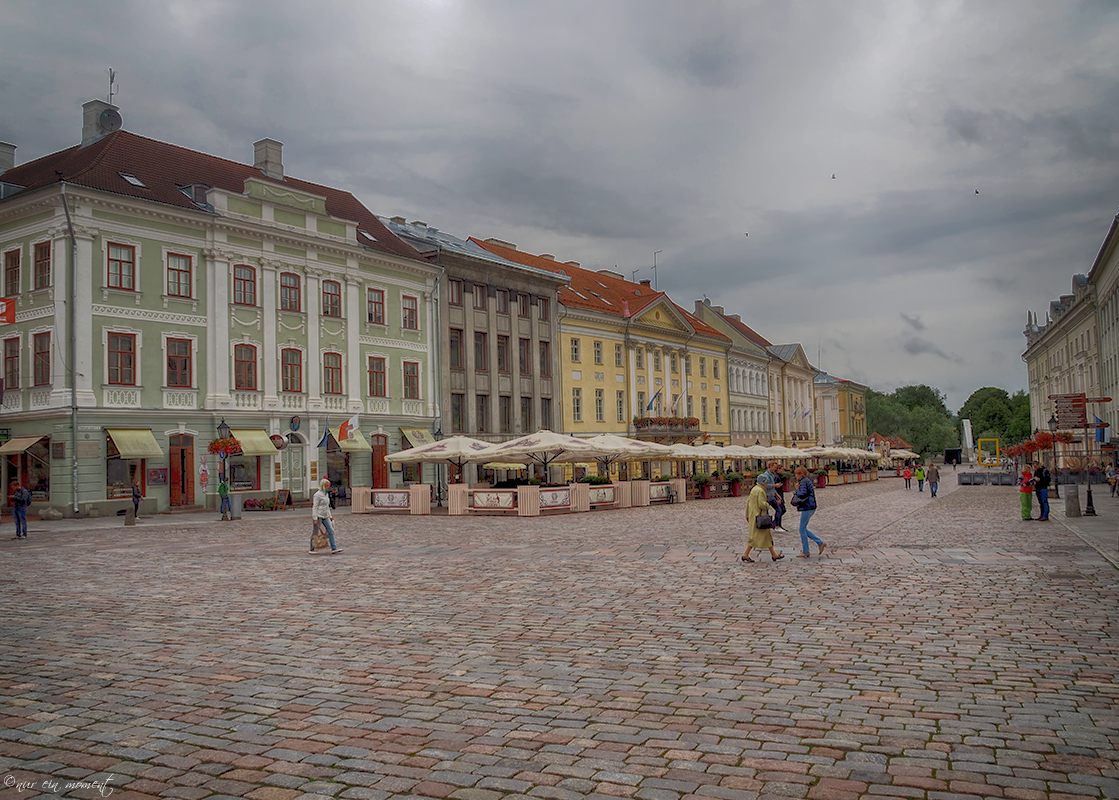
(760, 538)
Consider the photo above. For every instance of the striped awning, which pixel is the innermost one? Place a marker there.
(254, 442)
(135, 443)
(18, 445)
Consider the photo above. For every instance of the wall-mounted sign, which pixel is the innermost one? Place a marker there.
(157, 477)
(295, 423)
(279, 441)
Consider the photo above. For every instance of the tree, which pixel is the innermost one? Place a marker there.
(922, 396)
(978, 398)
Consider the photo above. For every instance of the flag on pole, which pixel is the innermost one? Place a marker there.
(1102, 434)
(347, 428)
(806, 412)
(676, 403)
(654, 399)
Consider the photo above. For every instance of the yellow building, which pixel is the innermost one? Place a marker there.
(633, 362)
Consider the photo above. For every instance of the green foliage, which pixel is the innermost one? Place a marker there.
(915, 413)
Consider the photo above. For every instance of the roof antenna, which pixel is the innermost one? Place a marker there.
(112, 81)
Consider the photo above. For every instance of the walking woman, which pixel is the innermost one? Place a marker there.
(760, 538)
(804, 498)
(321, 513)
(907, 473)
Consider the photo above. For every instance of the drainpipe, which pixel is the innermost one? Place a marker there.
(72, 317)
(436, 290)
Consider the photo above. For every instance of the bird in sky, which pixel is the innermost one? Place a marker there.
(833, 176)
(977, 191)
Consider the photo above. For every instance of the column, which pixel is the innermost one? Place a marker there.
(313, 369)
(83, 316)
(270, 358)
(353, 359)
(218, 348)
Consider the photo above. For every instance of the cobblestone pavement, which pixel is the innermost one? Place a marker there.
(939, 649)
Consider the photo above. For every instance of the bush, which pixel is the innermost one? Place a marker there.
(735, 476)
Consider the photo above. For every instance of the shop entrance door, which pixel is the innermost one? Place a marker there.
(380, 466)
(181, 472)
(295, 467)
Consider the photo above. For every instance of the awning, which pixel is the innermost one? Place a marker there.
(18, 445)
(135, 443)
(418, 436)
(254, 443)
(500, 465)
(354, 443)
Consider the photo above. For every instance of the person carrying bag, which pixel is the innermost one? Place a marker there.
(322, 520)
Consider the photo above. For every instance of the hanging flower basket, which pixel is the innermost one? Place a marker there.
(225, 447)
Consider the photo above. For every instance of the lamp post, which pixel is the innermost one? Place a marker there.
(1056, 470)
(223, 433)
(438, 473)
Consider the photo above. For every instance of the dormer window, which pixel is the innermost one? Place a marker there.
(196, 192)
(132, 179)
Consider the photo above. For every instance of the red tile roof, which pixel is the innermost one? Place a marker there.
(597, 291)
(746, 331)
(165, 168)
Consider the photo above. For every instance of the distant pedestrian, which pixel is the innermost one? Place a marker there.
(933, 477)
(760, 538)
(21, 499)
(1041, 489)
(919, 474)
(321, 514)
(137, 495)
(1026, 492)
(804, 498)
(223, 493)
(907, 473)
(770, 480)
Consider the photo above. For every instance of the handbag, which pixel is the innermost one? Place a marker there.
(319, 541)
(763, 521)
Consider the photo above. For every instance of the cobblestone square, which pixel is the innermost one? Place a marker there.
(941, 648)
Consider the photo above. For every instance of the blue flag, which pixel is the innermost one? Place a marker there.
(654, 399)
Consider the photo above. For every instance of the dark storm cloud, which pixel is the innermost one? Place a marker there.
(913, 322)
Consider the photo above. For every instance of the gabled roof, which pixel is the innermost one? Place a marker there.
(163, 169)
(747, 331)
(604, 292)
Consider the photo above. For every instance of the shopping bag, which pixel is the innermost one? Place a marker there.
(319, 541)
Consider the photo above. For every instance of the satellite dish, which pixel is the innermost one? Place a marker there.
(110, 120)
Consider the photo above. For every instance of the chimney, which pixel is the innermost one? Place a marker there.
(94, 126)
(398, 220)
(268, 158)
(647, 282)
(7, 157)
(548, 256)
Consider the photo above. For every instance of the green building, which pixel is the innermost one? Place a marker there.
(152, 293)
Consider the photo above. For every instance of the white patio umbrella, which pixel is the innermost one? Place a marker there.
(613, 448)
(543, 447)
(457, 450)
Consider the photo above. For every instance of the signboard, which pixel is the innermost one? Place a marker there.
(157, 477)
(279, 441)
(1071, 410)
(8, 311)
(989, 452)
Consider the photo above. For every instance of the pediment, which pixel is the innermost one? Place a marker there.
(665, 316)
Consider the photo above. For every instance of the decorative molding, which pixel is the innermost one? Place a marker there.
(377, 406)
(35, 313)
(301, 327)
(149, 315)
(120, 398)
(325, 331)
(253, 323)
(375, 341)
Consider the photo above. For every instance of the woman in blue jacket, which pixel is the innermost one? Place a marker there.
(804, 498)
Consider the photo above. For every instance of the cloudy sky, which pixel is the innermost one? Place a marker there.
(606, 130)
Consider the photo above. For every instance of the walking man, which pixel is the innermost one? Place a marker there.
(933, 477)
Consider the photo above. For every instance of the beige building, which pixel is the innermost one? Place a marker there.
(1062, 353)
(1104, 280)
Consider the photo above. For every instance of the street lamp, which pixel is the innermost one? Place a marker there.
(223, 433)
(1056, 470)
(438, 473)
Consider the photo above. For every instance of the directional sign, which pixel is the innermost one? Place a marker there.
(1071, 411)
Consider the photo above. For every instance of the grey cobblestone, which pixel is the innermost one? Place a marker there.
(938, 649)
